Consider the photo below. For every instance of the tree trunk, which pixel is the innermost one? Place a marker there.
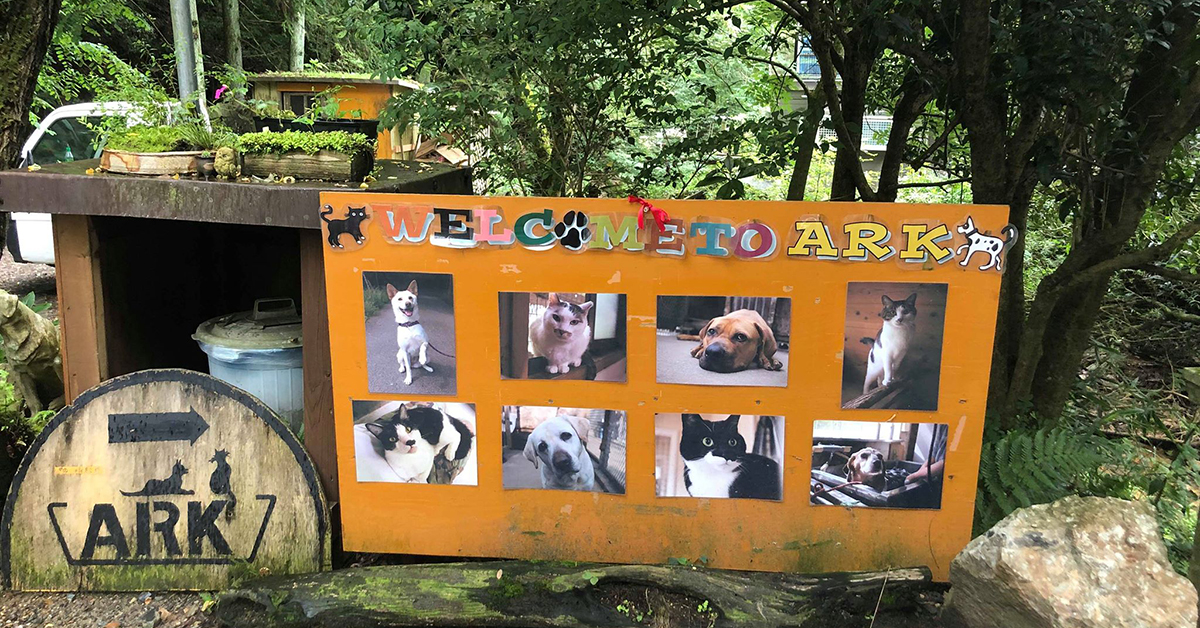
(853, 101)
(1194, 563)
(296, 61)
(805, 144)
(1010, 318)
(553, 593)
(233, 34)
(26, 27)
(197, 53)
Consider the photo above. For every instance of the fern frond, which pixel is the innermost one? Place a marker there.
(1026, 467)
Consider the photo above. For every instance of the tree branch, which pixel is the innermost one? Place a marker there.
(934, 184)
(1133, 259)
(937, 143)
(821, 49)
(1167, 273)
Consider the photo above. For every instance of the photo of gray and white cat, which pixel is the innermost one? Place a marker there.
(892, 346)
(562, 335)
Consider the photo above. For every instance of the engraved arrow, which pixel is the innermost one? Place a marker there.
(142, 427)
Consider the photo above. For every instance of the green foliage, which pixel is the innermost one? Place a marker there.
(17, 429)
(1035, 466)
(546, 91)
(199, 137)
(81, 66)
(147, 139)
(267, 142)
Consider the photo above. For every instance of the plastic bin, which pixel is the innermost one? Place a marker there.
(260, 351)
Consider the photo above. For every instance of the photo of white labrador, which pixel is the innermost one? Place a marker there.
(557, 448)
(571, 449)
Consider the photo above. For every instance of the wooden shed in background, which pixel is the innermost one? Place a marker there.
(360, 97)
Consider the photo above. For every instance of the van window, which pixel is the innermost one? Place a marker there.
(69, 139)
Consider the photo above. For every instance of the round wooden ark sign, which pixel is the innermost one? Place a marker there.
(162, 479)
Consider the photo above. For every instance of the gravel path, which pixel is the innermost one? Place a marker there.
(21, 279)
(103, 610)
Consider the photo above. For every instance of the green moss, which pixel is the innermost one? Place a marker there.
(269, 143)
(147, 139)
(161, 139)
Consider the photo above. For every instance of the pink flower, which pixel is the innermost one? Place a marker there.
(221, 90)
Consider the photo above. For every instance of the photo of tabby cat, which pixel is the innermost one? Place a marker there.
(719, 456)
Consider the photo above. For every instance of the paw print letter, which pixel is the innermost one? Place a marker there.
(573, 231)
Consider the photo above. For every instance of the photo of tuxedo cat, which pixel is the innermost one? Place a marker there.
(566, 449)
(410, 333)
(718, 456)
(878, 464)
(415, 442)
(562, 335)
(892, 345)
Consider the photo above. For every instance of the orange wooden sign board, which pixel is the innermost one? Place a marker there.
(769, 386)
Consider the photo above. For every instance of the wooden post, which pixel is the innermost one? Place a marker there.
(318, 373)
(80, 304)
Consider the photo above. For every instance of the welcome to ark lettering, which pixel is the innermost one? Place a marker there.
(809, 237)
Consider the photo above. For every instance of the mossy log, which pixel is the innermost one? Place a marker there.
(520, 593)
(31, 350)
(324, 164)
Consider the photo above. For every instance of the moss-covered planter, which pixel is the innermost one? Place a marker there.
(334, 155)
(324, 164)
(173, 162)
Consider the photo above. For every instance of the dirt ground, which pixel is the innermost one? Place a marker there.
(103, 610)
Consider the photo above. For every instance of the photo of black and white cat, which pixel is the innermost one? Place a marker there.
(415, 442)
(562, 335)
(892, 347)
(718, 456)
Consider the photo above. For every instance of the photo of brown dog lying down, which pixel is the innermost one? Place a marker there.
(723, 341)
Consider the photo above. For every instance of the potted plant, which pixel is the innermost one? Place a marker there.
(206, 140)
(162, 149)
(333, 155)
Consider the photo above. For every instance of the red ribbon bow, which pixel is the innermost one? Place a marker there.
(660, 216)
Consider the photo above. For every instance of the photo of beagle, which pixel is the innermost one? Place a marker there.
(723, 341)
(565, 449)
(866, 466)
(878, 464)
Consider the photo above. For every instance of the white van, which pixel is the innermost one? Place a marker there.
(65, 134)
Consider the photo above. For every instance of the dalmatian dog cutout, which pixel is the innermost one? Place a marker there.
(989, 245)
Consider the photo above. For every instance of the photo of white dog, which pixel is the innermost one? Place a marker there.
(410, 336)
(557, 447)
(571, 449)
(410, 333)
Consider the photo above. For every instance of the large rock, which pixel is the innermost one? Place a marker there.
(1081, 561)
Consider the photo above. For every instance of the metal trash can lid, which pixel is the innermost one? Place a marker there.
(272, 324)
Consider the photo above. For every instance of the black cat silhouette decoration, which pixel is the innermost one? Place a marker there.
(351, 224)
(172, 485)
(218, 482)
